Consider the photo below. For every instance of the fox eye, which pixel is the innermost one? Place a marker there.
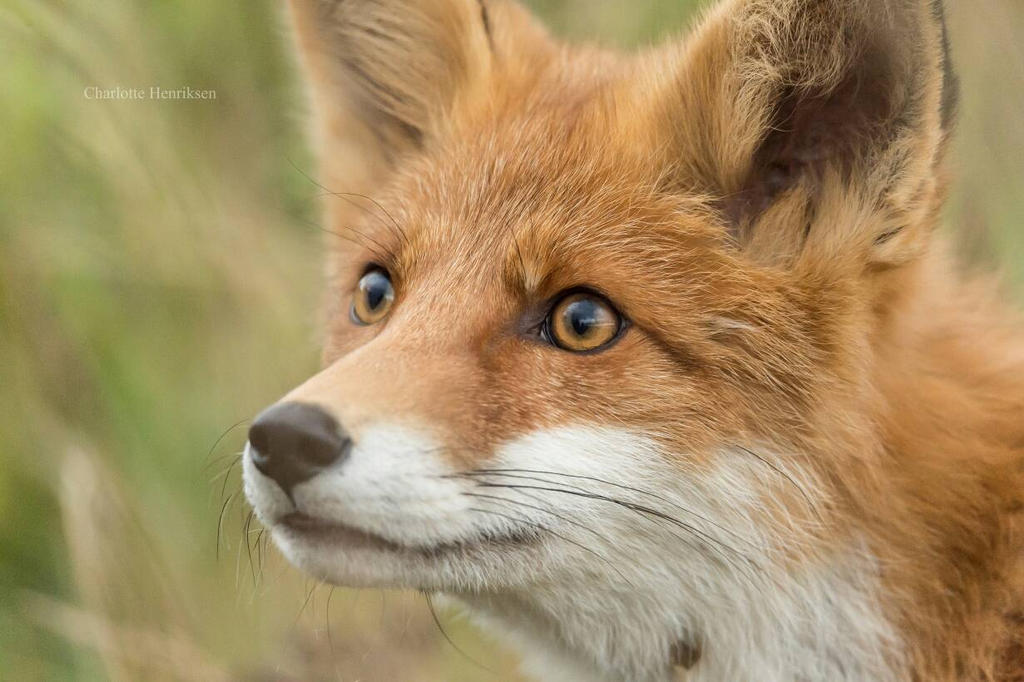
(373, 297)
(582, 322)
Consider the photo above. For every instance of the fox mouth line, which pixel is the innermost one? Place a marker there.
(350, 537)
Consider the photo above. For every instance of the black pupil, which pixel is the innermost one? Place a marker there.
(376, 288)
(582, 316)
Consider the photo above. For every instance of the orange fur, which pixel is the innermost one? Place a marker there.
(759, 201)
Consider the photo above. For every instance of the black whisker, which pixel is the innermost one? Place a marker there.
(807, 498)
(543, 510)
(639, 491)
(227, 474)
(223, 473)
(380, 252)
(545, 529)
(346, 196)
(444, 633)
(327, 622)
(259, 553)
(220, 523)
(224, 435)
(305, 603)
(710, 542)
(248, 546)
(219, 458)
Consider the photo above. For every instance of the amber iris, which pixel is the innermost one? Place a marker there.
(583, 322)
(373, 297)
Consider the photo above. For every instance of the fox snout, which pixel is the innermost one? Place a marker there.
(291, 442)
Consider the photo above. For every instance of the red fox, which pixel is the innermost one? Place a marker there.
(655, 362)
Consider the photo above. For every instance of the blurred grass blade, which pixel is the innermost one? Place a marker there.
(131, 653)
(131, 610)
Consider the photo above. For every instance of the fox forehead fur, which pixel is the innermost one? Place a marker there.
(804, 369)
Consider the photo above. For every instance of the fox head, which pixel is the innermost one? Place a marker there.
(611, 336)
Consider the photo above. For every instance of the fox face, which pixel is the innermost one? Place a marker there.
(615, 341)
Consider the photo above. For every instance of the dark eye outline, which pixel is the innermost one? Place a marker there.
(370, 269)
(548, 336)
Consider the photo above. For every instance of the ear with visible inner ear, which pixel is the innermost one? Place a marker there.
(818, 125)
(385, 76)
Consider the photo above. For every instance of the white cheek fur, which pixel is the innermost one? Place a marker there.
(689, 550)
(397, 485)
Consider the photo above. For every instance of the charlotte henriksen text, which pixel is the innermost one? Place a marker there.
(150, 93)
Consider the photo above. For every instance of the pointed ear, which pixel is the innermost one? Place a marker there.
(817, 124)
(385, 75)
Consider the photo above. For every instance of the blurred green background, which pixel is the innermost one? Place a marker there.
(159, 277)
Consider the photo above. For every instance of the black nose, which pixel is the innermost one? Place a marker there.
(292, 442)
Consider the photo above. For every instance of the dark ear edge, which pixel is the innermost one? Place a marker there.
(837, 120)
(816, 97)
(811, 130)
(395, 67)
